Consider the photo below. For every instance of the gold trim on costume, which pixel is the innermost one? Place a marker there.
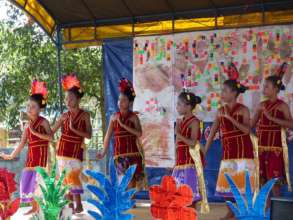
(141, 152)
(256, 161)
(127, 155)
(272, 149)
(184, 166)
(286, 158)
(195, 154)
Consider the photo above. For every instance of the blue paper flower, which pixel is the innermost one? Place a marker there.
(113, 197)
(250, 209)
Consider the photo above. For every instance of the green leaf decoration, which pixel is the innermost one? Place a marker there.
(53, 199)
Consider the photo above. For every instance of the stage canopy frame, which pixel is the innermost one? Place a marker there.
(82, 23)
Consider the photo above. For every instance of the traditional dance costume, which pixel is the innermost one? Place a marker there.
(126, 149)
(36, 157)
(270, 143)
(184, 171)
(70, 151)
(238, 155)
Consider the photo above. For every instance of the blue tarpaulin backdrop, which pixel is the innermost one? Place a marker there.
(117, 64)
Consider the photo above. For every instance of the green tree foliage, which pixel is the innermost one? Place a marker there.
(27, 53)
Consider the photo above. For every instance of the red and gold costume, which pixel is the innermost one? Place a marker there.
(37, 147)
(126, 149)
(270, 143)
(237, 153)
(37, 154)
(70, 151)
(183, 156)
(185, 171)
(70, 144)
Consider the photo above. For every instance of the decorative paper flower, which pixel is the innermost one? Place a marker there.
(7, 187)
(39, 88)
(114, 198)
(9, 209)
(250, 209)
(69, 81)
(170, 202)
(7, 184)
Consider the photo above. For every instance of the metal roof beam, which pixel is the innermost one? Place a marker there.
(182, 14)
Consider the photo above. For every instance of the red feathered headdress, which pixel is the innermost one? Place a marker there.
(39, 88)
(69, 81)
(126, 87)
(282, 69)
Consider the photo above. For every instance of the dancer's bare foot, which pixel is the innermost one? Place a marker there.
(228, 216)
(78, 209)
(35, 208)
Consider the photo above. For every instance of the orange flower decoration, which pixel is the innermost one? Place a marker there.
(170, 202)
(70, 81)
(39, 88)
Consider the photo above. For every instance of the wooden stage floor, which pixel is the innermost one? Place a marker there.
(141, 213)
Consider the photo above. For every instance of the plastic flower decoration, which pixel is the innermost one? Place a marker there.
(53, 199)
(250, 209)
(170, 202)
(69, 81)
(113, 197)
(7, 187)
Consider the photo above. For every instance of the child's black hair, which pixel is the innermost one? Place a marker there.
(190, 99)
(39, 99)
(276, 81)
(129, 94)
(235, 86)
(76, 91)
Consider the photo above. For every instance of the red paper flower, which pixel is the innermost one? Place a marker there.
(8, 209)
(170, 202)
(7, 187)
(7, 184)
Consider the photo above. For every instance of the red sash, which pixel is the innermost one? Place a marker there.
(183, 156)
(71, 144)
(235, 143)
(37, 147)
(125, 142)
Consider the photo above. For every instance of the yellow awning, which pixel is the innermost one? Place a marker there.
(82, 36)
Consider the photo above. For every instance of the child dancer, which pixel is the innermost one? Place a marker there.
(75, 127)
(125, 126)
(233, 122)
(37, 134)
(273, 116)
(188, 134)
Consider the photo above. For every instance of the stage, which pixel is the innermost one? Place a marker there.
(142, 212)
